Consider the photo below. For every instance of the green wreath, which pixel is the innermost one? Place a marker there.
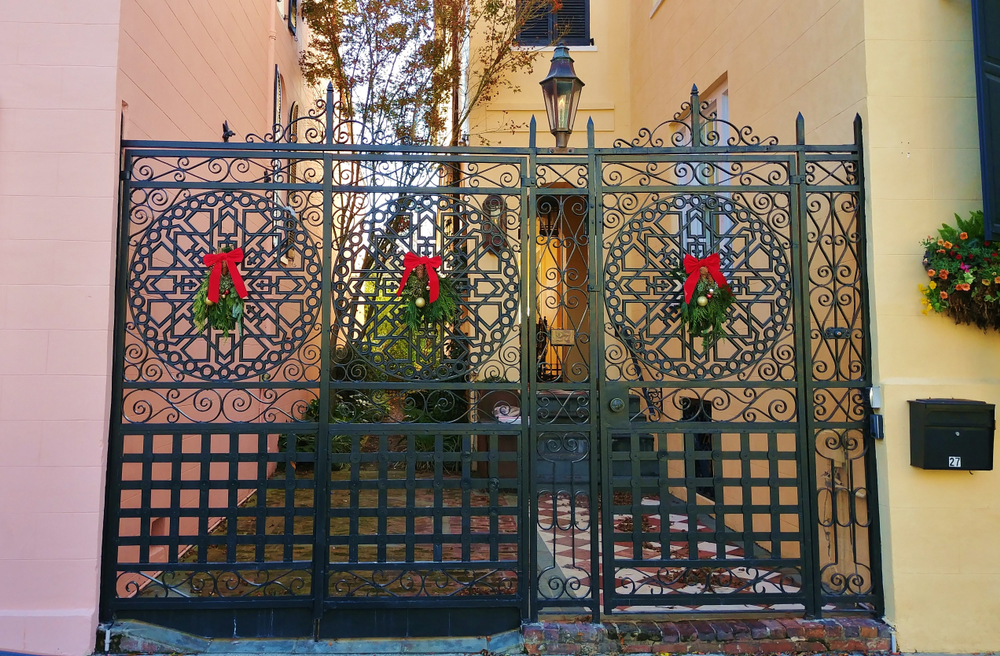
(227, 314)
(707, 308)
(419, 310)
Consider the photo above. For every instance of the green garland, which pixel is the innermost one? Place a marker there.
(442, 311)
(225, 315)
(706, 321)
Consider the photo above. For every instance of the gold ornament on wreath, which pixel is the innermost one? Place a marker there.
(430, 298)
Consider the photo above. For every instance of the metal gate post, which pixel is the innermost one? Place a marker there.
(321, 470)
(112, 491)
(808, 496)
(529, 227)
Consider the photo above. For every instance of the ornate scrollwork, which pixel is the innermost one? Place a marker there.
(281, 270)
(215, 583)
(647, 340)
(688, 128)
(368, 315)
(465, 582)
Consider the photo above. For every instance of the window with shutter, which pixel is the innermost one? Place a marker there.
(568, 24)
(986, 33)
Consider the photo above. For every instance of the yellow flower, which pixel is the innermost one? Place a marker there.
(925, 311)
(932, 285)
(923, 301)
(922, 288)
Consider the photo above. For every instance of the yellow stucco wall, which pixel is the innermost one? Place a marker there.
(941, 529)
(604, 69)
(907, 67)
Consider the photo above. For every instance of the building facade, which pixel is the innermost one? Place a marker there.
(75, 78)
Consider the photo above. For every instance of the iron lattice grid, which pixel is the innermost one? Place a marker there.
(740, 477)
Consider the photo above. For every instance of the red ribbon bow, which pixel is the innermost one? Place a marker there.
(693, 266)
(411, 261)
(227, 260)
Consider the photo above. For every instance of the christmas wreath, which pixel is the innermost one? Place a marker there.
(218, 303)
(707, 299)
(429, 297)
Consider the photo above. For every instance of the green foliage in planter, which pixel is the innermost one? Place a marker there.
(964, 272)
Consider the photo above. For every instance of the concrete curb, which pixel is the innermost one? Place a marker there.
(132, 636)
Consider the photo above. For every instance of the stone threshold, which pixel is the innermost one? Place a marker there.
(751, 636)
(612, 638)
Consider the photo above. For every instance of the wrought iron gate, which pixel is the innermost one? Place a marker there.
(560, 444)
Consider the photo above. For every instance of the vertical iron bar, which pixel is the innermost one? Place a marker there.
(112, 494)
(529, 428)
(321, 470)
(598, 452)
(808, 497)
(695, 117)
(871, 466)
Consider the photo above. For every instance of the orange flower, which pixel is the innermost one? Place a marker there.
(940, 250)
(940, 242)
(948, 245)
(944, 295)
(931, 272)
(963, 287)
(964, 235)
(997, 280)
(943, 274)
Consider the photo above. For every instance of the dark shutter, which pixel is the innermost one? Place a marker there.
(537, 31)
(573, 23)
(986, 31)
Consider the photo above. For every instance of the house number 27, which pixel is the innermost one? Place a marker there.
(954, 461)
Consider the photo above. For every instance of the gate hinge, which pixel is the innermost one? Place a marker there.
(798, 179)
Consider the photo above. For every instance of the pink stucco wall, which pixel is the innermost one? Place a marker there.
(66, 68)
(58, 161)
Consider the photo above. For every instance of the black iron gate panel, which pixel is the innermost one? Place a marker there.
(332, 459)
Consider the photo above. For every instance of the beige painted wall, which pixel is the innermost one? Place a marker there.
(604, 69)
(780, 57)
(941, 529)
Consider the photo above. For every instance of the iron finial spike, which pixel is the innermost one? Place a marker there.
(329, 112)
(590, 132)
(858, 132)
(531, 132)
(695, 117)
(800, 130)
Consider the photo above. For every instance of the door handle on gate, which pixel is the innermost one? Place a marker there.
(616, 405)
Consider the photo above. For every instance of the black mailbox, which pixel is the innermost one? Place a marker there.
(951, 434)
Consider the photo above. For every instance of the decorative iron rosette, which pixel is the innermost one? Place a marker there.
(282, 271)
(647, 339)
